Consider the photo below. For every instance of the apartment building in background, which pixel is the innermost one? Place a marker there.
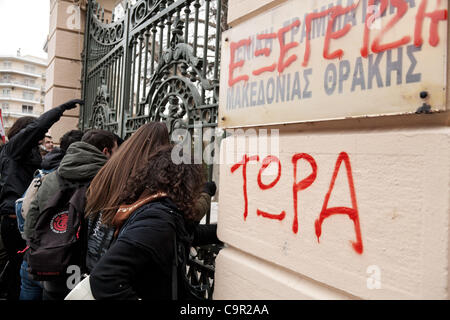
(22, 87)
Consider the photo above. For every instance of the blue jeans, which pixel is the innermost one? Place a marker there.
(30, 289)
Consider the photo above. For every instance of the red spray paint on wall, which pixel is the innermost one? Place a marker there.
(334, 12)
(302, 185)
(352, 212)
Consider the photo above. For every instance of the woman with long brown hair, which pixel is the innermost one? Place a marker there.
(158, 206)
(104, 195)
(109, 183)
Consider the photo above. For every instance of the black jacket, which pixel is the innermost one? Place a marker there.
(20, 158)
(139, 263)
(101, 236)
(99, 239)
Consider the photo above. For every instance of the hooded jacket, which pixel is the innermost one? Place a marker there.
(80, 164)
(20, 158)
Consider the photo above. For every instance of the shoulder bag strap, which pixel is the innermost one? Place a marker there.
(175, 270)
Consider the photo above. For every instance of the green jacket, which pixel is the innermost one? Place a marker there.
(81, 163)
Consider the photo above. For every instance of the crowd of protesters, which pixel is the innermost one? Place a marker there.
(136, 205)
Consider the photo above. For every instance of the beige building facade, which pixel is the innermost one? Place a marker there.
(22, 87)
(348, 204)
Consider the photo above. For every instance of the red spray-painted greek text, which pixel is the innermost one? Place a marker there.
(287, 57)
(297, 186)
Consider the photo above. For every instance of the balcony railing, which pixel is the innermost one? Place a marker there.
(23, 72)
(8, 113)
(15, 97)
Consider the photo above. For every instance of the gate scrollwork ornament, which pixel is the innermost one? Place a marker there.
(174, 95)
(101, 113)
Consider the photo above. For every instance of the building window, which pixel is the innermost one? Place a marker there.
(27, 109)
(29, 68)
(29, 95)
(5, 106)
(6, 77)
(7, 64)
(6, 92)
(29, 82)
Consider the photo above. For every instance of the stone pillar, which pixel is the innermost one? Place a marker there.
(65, 46)
(358, 208)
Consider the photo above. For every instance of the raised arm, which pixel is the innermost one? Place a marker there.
(29, 137)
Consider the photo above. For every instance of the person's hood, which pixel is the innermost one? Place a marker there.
(81, 162)
(52, 159)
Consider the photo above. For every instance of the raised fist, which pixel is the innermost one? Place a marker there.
(71, 104)
(210, 188)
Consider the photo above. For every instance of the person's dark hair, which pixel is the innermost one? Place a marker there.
(18, 125)
(181, 182)
(107, 186)
(100, 139)
(119, 140)
(70, 137)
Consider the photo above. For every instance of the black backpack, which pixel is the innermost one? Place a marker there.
(57, 240)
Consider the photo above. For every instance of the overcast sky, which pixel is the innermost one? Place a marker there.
(24, 24)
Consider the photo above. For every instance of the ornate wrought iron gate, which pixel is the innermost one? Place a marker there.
(158, 62)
